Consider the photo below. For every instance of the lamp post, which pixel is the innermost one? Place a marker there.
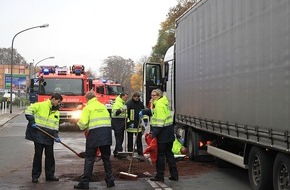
(41, 61)
(11, 77)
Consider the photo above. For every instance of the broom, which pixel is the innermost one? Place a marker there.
(128, 175)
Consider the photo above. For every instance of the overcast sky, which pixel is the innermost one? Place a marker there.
(82, 31)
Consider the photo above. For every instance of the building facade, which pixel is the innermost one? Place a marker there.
(20, 77)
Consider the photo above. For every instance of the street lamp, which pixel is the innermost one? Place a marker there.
(41, 61)
(11, 77)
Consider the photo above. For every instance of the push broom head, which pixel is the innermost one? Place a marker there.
(125, 175)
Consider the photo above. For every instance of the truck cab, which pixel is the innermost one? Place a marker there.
(71, 82)
(107, 91)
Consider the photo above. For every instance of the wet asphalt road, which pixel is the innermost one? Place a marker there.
(17, 154)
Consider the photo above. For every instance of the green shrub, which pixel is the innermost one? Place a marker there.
(24, 100)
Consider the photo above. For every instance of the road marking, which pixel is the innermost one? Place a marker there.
(158, 185)
(161, 184)
(153, 184)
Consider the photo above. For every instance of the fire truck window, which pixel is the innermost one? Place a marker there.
(114, 90)
(100, 89)
(110, 90)
(63, 86)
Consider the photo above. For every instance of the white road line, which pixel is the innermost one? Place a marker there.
(158, 185)
(152, 183)
(161, 184)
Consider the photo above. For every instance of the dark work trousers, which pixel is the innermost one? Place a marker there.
(37, 160)
(89, 164)
(131, 142)
(118, 125)
(165, 154)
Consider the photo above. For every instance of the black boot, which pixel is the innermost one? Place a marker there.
(81, 186)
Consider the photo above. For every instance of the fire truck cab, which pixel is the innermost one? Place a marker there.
(72, 83)
(107, 91)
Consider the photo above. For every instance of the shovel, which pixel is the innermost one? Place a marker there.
(81, 154)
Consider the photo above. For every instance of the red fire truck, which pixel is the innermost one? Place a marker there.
(71, 82)
(107, 91)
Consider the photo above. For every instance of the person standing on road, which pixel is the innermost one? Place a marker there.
(96, 119)
(119, 117)
(44, 115)
(134, 106)
(162, 128)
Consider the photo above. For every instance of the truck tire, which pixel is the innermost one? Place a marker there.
(193, 139)
(281, 172)
(260, 169)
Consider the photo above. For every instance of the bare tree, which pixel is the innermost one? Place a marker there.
(118, 69)
(5, 57)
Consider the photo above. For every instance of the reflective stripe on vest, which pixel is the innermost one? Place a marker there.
(46, 122)
(99, 122)
(155, 122)
(121, 115)
(132, 114)
(134, 130)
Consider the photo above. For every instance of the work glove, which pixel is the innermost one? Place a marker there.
(57, 140)
(33, 125)
(140, 114)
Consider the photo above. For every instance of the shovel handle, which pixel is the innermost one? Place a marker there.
(134, 147)
(48, 134)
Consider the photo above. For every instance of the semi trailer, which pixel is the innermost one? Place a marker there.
(228, 81)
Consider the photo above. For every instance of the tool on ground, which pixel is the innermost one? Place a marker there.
(128, 175)
(81, 154)
(125, 153)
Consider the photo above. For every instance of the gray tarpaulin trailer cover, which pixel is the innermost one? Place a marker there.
(233, 65)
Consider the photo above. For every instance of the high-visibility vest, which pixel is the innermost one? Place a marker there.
(119, 104)
(43, 115)
(161, 115)
(94, 115)
(176, 147)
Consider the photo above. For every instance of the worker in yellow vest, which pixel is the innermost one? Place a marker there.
(44, 115)
(95, 118)
(161, 127)
(119, 119)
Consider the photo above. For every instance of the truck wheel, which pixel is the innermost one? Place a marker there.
(193, 139)
(281, 179)
(260, 169)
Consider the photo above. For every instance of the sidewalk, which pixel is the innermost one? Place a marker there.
(5, 117)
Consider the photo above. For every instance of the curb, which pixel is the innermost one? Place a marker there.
(9, 118)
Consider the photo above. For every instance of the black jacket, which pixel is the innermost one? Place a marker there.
(134, 107)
